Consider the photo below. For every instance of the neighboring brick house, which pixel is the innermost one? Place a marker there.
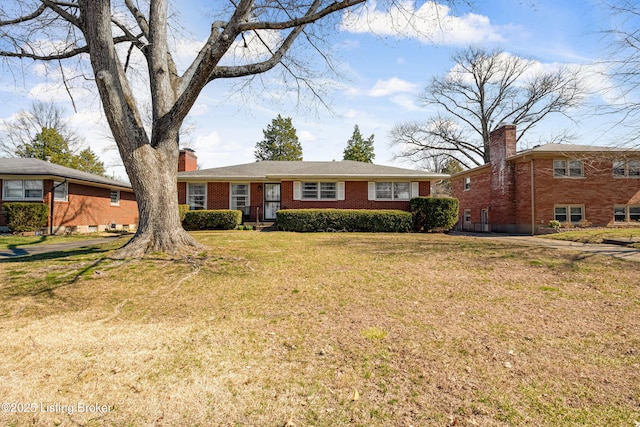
(82, 202)
(522, 192)
(259, 189)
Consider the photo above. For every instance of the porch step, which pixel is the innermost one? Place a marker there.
(263, 226)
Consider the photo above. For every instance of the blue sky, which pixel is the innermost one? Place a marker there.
(382, 70)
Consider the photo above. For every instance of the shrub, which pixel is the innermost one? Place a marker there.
(212, 220)
(434, 213)
(182, 211)
(554, 223)
(23, 216)
(304, 220)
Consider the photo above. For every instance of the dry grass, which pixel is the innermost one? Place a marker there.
(274, 329)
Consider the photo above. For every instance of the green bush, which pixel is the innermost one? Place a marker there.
(182, 211)
(212, 220)
(23, 216)
(305, 220)
(434, 213)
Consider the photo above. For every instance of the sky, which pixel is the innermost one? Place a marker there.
(382, 65)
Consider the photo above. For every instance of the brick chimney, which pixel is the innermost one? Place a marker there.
(502, 145)
(187, 160)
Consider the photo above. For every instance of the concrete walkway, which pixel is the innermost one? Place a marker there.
(29, 250)
(616, 251)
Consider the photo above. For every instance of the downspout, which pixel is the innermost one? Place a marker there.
(533, 201)
(52, 197)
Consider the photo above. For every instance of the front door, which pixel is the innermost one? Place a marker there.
(484, 220)
(271, 201)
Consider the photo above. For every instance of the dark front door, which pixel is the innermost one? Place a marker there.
(271, 201)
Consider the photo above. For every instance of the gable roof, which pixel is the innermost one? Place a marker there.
(278, 170)
(18, 167)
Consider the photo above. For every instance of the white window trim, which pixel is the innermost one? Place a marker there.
(567, 168)
(189, 184)
(465, 216)
(414, 188)
(584, 214)
(22, 197)
(298, 193)
(232, 196)
(466, 183)
(627, 219)
(625, 174)
(117, 202)
(65, 186)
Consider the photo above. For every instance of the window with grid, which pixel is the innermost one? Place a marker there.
(197, 196)
(569, 213)
(319, 191)
(240, 197)
(568, 168)
(626, 168)
(18, 189)
(393, 190)
(626, 213)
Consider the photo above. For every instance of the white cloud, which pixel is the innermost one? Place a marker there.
(306, 136)
(391, 86)
(406, 102)
(431, 23)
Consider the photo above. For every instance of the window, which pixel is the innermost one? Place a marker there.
(569, 213)
(393, 190)
(626, 168)
(567, 168)
(115, 198)
(60, 191)
(319, 191)
(467, 183)
(197, 196)
(240, 197)
(626, 213)
(28, 189)
(467, 215)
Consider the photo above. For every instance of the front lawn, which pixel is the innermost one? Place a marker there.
(8, 241)
(274, 329)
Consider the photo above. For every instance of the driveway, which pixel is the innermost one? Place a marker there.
(29, 250)
(616, 251)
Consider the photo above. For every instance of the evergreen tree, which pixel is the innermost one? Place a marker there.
(50, 145)
(280, 141)
(87, 161)
(358, 148)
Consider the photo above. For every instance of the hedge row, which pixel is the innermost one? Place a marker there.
(434, 213)
(212, 220)
(23, 216)
(304, 220)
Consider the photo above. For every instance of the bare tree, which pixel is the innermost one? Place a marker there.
(21, 130)
(623, 68)
(112, 35)
(484, 89)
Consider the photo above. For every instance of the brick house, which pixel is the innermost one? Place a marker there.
(259, 189)
(78, 201)
(522, 192)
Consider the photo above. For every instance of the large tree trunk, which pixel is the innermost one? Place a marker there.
(153, 173)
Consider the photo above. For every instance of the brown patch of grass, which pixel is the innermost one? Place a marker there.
(326, 330)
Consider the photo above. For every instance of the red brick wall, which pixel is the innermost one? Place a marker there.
(356, 197)
(478, 197)
(598, 191)
(89, 205)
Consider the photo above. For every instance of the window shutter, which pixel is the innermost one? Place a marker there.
(372, 191)
(297, 190)
(415, 189)
(340, 190)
